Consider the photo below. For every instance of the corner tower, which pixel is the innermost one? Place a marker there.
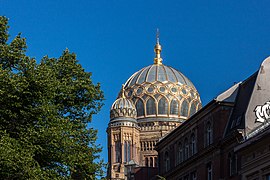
(123, 137)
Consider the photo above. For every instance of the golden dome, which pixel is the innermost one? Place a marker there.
(162, 91)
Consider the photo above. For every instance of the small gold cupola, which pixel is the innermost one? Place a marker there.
(157, 50)
(123, 108)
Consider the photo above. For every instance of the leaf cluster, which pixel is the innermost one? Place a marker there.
(45, 110)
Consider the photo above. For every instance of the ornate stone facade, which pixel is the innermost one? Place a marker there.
(153, 102)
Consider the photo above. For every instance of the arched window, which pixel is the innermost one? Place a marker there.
(193, 175)
(151, 106)
(209, 171)
(179, 153)
(167, 161)
(151, 162)
(209, 133)
(192, 108)
(145, 146)
(140, 108)
(184, 108)
(134, 152)
(174, 107)
(193, 144)
(186, 149)
(117, 151)
(127, 151)
(163, 106)
(156, 162)
(146, 162)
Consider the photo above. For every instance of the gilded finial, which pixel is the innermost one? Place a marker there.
(157, 50)
(123, 91)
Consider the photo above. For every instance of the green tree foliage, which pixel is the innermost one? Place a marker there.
(45, 110)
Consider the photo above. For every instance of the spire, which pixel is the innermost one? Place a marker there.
(157, 36)
(157, 50)
(123, 91)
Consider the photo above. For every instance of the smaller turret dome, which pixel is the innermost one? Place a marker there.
(123, 108)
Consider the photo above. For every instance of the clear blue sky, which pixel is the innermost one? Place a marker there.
(214, 43)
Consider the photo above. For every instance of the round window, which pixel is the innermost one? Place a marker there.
(174, 90)
(162, 89)
(139, 91)
(184, 91)
(150, 89)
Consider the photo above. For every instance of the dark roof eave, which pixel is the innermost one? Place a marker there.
(248, 142)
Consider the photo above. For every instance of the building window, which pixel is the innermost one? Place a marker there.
(209, 133)
(167, 161)
(186, 151)
(146, 162)
(140, 108)
(127, 151)
(134, 152)
(184, 108)
(186, 177)
(209, 171)
(193, 144)
(156, 162)
(174, 107)
(163, 106)
(151, 162)
(267, 177)
(192, 109)
(151, 106)
(117, 151)
(193, 175)
(179, 153)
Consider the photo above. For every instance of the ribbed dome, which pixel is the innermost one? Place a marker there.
(159, 73)
(123, 107)
(161, 91)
